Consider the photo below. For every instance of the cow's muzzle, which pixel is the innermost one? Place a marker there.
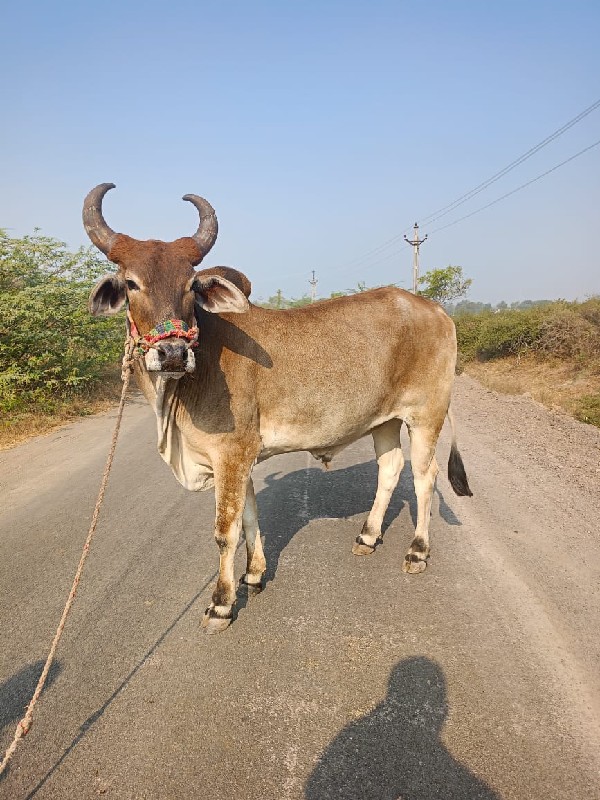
(173, 356)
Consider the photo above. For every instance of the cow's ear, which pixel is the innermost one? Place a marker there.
(108, 295)
(219, 295)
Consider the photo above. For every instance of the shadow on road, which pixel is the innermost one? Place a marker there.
(396, 750)
(16, 691)
(289, 502)
(93, 718)
(286, 505)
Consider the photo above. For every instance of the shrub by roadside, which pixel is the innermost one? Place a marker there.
(588, 409)
(560, 329)
(562, 337)
(53, 354)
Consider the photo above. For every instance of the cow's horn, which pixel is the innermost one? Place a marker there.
(208, 229)
(93, 221)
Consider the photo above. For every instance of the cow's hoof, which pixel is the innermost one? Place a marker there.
(250, 587)
(211, 623)
(414, 563)
(361, 549)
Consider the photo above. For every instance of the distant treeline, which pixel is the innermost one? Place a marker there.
(475, 307)
(279, 300)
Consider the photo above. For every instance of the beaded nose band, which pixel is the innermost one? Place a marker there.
(170, 328)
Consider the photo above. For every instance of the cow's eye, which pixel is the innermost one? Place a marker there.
(132, 286)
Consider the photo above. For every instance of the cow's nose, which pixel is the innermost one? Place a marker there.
(172, 356)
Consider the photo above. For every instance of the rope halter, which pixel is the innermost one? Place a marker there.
(146, 346)
(168, 329)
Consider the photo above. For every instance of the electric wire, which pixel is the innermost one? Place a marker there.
(447, 209)
(361, 261)
(395, 253)
(442, 212)
(518, 189)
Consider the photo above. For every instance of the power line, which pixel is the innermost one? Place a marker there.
(494, 202)
(518, 189)
(358, 261)
(395, 253)
(369, 253)
(441, 212)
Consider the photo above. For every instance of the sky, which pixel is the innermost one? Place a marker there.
(319, 131)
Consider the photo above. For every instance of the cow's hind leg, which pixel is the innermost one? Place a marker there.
(390, 461)
(256, 564)
(425, 470)
(230, 495)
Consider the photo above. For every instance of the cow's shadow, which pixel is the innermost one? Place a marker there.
(396, 750)
(289, 502)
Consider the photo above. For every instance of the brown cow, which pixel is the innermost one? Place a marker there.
(232, 383)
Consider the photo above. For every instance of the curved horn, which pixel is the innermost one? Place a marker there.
(208, 229)
(93, 221)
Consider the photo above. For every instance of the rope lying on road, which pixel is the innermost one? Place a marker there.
(25, 724)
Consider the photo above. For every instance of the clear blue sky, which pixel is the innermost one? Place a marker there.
(318, 130)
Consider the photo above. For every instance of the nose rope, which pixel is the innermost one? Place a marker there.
(168, 329)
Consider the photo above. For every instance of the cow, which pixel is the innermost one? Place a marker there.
(233, 383)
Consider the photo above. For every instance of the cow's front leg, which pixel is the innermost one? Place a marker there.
(256, 564)
(230, 496)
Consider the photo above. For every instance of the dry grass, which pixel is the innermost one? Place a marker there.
(20, 427)
(555, 383)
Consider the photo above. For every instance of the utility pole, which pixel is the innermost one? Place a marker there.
(313, 291)
(416, 243)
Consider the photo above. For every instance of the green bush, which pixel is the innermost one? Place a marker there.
(588, 409)
(569, 334)
(51, 349)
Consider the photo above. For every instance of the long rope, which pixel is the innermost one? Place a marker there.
(25, 724)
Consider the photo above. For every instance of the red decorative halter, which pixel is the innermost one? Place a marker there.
(168, 329)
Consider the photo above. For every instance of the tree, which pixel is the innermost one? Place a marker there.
(444, 285)
(280, 301)
(299, 302)
(276, 301)
(468, 307)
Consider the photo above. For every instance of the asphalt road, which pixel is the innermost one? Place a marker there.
(345, 678)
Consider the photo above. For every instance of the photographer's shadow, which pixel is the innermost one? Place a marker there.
(396, 750)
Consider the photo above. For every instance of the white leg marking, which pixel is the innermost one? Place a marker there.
(256, 564)
(390, 461)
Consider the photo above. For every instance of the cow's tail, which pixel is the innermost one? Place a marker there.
(456, 469)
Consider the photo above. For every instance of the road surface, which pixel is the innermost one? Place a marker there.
(345, 678)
